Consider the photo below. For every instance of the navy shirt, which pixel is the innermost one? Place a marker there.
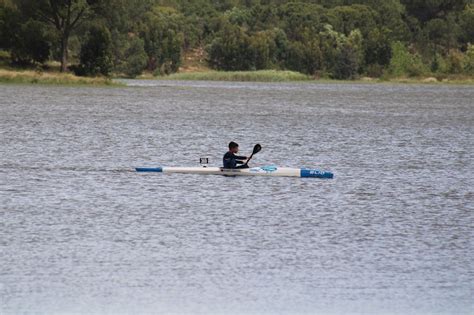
(231, 160)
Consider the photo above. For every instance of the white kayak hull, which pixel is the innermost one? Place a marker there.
(253, 171)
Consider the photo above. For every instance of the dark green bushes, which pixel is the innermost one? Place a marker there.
(341, 39)
(96, 53)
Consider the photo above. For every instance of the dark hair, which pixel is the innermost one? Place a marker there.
(232, 145)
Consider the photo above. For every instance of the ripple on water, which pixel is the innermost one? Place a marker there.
(391, 233)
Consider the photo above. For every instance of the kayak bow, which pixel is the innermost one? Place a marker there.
(253, 171)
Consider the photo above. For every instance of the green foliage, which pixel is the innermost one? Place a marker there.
(135, 58)
(264, 47)
(404, 63)
(425, 10)
(6, 23)
(442, 32)
(469, 63)
(466, 24)
(255, 76)
(331, 38)
(378, 50)
(345, 19)
(299, 18)
(161, 31)
(231, 50)
(305, 58)
(64, 16)
(31, 43)
(348, 56)
(346, 63)
(237, 16)
(96, 53)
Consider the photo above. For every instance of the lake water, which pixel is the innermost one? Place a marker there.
(392, 233)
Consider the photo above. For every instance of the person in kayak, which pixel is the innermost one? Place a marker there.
(234, 161)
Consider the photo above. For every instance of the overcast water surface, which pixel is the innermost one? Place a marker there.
(81, 232)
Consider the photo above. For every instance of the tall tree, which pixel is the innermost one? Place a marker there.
(64, 15)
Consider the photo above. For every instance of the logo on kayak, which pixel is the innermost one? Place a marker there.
(263, 169)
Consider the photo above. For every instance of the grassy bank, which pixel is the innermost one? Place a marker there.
(290, 76)
(452, 79)
(253, 76)
(13, 76)
(53, 78)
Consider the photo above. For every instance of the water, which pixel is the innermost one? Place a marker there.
(392, 233)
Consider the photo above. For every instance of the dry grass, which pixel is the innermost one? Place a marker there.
(445, 79)
(254, 76)
(54, 78)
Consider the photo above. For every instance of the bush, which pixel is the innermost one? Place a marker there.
(231, 50)
(455, 62)
(96, 53)
(135, 58)
(403, 63)
(264, 48)
(377, 48)
(305, 57)
(374, 70)
(469, 63)
(31, 44)
(162, 33)
(347, 63)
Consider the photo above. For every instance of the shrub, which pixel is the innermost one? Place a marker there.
(135, 58)
(31, 43)
(162, 33)
(347, 63)
(231, 50)
(469, 63)
(403, 63)
(96, 53)
(455, 62)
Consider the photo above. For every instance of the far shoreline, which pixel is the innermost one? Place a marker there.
(277, 76)
(30, 77)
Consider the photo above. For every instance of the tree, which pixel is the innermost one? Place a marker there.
(469, 66)
(403, 63)
(298, 18)
(164, 39)
(346, 65)
(331, 41)
(305, 57)
(425, 10)
(135, 58)
(377, 47)
(345, 19)
(96, 53)
(231, 50)
(349, 56)
(467, 25)
(265, 49)
(31, 43)
(64, 15)
(10, 20)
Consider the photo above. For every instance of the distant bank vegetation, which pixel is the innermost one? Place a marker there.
(256, 76)
(35, 77)
(336, 39)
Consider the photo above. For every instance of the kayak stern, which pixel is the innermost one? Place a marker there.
(149, 169)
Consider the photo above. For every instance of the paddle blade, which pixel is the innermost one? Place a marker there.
(257, 148)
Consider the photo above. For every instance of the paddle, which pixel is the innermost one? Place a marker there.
(256, 149)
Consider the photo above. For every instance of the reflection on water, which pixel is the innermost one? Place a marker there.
(80, 232)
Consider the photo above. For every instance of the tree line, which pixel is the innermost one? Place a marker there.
(340, 39)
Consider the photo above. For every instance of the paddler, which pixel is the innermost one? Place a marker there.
(234, 161)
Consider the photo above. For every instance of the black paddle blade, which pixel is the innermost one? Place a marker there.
(257, 148)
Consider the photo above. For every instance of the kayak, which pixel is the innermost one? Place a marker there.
(253, 171)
